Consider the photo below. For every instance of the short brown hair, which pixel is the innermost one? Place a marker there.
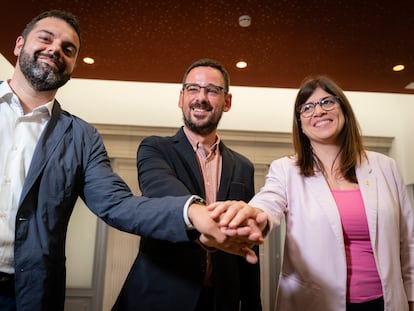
(207, 62)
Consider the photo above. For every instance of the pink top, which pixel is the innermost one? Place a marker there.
(363, 282)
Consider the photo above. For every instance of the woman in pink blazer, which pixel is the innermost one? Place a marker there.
(349, 240)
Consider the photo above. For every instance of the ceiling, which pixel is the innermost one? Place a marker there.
(355, 42)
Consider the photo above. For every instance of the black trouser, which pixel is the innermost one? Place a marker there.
(206, 300)
(372, 305)
(7, 294)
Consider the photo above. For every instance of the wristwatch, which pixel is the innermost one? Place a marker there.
(195, 199)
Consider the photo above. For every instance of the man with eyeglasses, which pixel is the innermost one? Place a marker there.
(189, 276)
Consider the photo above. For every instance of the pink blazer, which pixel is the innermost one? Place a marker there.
(313, 275)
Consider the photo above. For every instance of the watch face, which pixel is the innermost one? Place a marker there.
(199, 200)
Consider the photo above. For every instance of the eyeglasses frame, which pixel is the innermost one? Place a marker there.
(221, 88)
(320, 103)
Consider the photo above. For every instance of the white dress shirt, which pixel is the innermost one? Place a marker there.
(19, 135)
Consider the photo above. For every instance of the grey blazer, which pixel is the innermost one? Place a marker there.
(70, 161)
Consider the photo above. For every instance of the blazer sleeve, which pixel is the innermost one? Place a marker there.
(406, 234)
(107, 195)
(272, 197)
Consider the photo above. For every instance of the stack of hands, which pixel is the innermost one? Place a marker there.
(231, 226)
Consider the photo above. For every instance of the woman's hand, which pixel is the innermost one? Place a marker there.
(233, 214)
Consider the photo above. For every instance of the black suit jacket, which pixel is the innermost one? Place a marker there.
(169, 276)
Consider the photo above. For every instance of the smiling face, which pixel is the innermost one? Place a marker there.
(324, 127)
(202, 110)
(47, 56)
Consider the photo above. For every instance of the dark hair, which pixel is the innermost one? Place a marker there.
(65, 16)
(206, 62)
(352, 150)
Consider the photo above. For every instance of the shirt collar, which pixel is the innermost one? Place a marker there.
(5, 89)
(9, 97)
(196, 144)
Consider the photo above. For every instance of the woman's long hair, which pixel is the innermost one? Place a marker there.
(352, 150)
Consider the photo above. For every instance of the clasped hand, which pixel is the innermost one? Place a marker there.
(231, 226)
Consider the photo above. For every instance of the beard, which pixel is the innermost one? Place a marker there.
(208, 126)
(41, 75)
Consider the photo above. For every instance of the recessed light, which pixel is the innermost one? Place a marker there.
(88, 60)
(245, 21)
(241, 64)
(398, 68)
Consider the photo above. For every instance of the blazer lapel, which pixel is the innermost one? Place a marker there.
(326, 201)
(227, 167)
(368, 186)
(186, 153)
(45, 147)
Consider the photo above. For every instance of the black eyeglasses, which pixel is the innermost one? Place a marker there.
(328, 103)
(211, 89)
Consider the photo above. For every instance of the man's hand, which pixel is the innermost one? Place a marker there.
(238, 241)
(201, 220)
(235, 245)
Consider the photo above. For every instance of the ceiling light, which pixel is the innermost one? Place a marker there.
(241, 64)
(245, 20)
(88, 60)
(398, 68)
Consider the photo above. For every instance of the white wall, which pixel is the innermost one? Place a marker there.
(261, 109)
(6, 69)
